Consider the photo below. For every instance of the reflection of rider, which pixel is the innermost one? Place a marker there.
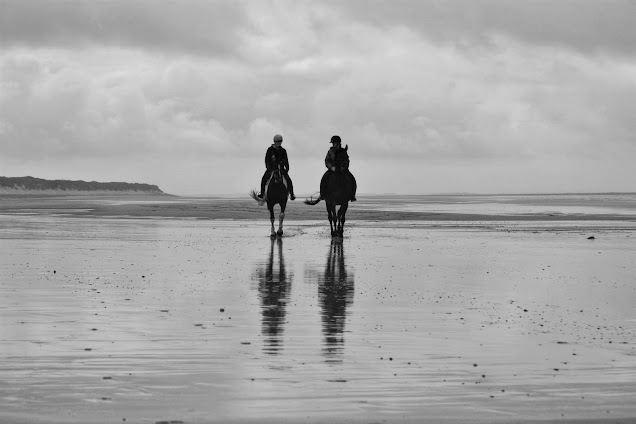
(337, 157)
(277, 155)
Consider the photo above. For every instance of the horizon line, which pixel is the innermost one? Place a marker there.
(430, 194)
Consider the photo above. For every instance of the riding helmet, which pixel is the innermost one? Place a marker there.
(336, 139)
(278, 137)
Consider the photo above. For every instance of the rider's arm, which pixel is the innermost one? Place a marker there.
(269, 160)
(285, 161)
(329, 159)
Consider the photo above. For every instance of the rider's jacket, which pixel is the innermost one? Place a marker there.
(337, 156)
(275, 156)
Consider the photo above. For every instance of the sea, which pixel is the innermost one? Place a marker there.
(621, 205)
(505, 204)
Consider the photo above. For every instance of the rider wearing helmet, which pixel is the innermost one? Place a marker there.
(277, 155)
(337, 154)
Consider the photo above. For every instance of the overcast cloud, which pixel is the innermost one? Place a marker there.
(454, 96)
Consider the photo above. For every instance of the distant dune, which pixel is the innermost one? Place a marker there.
(28, 185)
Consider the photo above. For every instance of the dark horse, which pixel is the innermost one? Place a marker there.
(338, 192)
(276, 193)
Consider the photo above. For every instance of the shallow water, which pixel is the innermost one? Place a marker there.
(159, 320)
(623, 204)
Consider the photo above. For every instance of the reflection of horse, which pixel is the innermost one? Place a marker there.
(335, 293)
(274, 285)
(338, 191)
(276, 193)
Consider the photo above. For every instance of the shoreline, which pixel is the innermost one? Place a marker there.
(136, 205)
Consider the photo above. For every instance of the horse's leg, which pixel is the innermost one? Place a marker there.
(281, 218)
(342, 212)
(331, 212)
(270, 206)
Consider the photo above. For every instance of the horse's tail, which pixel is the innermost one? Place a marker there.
(254, 195)
(312, 201)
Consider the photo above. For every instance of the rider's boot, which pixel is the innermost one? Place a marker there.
(290, 185)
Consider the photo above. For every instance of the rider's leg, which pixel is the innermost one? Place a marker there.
(323, 185)
(290, 186)
(263, 182)
(354, 186)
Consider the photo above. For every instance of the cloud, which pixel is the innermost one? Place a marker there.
(582, 25)
(59, 108)
(406, 98)
(207, 84)
(193, 26)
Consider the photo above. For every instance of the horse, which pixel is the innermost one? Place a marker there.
(276, 193)
(339, 189)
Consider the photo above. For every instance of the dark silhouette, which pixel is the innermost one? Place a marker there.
(274, 286)
(337, 193)
(337, 187)
(275, 194)
(335, 294)
(276, 159)
(337, 159)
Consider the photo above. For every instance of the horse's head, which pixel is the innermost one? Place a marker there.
(341, 161)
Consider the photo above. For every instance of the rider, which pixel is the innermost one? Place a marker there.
(277, 155)
(337, 152)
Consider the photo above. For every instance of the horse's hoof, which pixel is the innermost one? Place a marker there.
(273, 235)
(279, 233)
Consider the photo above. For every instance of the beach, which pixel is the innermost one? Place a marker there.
(438, 309)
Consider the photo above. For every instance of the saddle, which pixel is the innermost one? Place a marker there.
(269, 180)
(340, 177)
(333, 179)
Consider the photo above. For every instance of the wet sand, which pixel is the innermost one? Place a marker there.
(109, 316)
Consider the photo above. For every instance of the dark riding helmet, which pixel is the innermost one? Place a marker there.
(278, 137)
(336, 139)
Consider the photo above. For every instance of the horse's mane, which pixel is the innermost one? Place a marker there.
(342, 157)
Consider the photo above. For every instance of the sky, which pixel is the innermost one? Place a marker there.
(431, 96)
